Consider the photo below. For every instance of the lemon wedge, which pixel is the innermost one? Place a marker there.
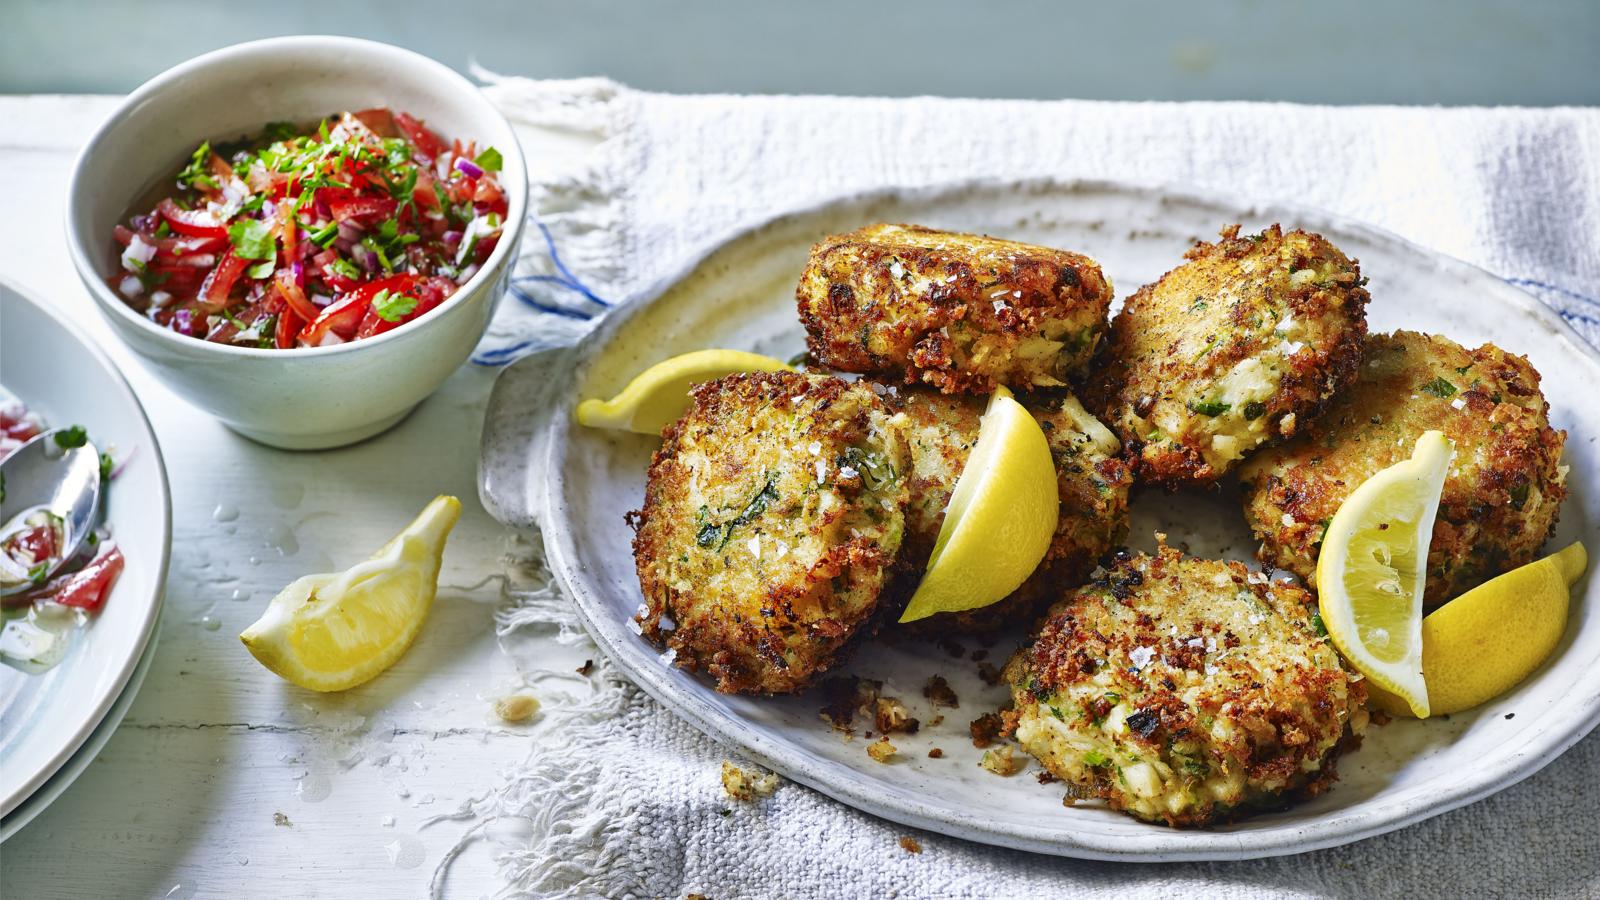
(333, 631)
(1486, 641)
(1372, 569)
(659, 395)
(1001, 517)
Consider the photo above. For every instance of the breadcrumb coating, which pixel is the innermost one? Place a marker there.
(1183, 691)
(1502, 495)
(1242, 345)
(773, 512)
(963, 313)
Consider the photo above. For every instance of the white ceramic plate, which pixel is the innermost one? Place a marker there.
(46, 794)
(577, 483)
(45, 718)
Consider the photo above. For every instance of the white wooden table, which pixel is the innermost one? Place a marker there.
(224, 781)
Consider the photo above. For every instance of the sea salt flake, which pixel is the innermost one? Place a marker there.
(1141, 656)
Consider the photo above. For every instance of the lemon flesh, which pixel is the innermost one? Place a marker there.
(1486, 641)
(333, 631)
(1000, 519)
(659, 395)
(1372, 568)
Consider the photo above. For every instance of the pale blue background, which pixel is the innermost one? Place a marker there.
(1369, 51)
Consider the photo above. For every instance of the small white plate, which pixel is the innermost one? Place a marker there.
(576, 483)
(45, 718)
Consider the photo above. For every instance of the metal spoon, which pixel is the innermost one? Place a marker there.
(43, 475)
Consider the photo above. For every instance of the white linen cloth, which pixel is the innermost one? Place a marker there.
(627, 800)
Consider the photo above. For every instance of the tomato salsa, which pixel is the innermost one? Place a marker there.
(313, 237)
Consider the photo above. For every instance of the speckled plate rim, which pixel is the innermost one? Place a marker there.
(527, 488)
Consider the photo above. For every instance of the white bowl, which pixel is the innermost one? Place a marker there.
(312, 397)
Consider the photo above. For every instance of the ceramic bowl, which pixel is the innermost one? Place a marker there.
(311, 397)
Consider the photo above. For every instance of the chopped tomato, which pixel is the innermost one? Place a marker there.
(214, 291)
(346, 316)
(368, 208)
(174, 247)
(366, 164)
(288, 329)
(380, 120)
(489, 198)
(86, 588)
(294, 297)
(429, 293)
(426, 142)
(190, 222)
(38, 542)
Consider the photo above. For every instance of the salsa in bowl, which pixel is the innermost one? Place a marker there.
(396, 306)
(313, 236)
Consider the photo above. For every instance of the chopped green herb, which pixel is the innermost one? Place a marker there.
(74, 436)
(709, 532)
(1519, 496)
(164, 229)
(253, 239)
(37, 573)
(875, 471)
(106, 465)
(1317, 625)
(1196, 767)
(392, 307)
(1440, 388)
(1324, 535)
(198, 171)
(1095, 759)
(1209, 407)
(1255, 409)
(325, 235)
(263, 269)
(279, 131)
(489, 160)
(345, 269)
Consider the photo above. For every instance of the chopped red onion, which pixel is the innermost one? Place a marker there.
(468, 168)
(349, 232)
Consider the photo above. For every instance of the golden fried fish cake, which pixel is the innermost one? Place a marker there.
(773, 513)
(1184, 691)
(1241, 345)
(1091, 475)
(1501, 497)
(961, 312)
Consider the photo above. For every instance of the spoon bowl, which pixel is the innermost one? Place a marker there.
(42, 475)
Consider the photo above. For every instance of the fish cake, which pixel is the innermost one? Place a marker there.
(773, 514)
(960, 312)
(1243, 344)
(1503, 492)
(1091, 475)
(1184, 691)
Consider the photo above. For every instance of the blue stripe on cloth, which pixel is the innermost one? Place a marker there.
(1571, 315)
(520, 288)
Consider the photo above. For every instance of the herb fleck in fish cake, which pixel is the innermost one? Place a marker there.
(1183, 691)
(1503, 492)
(773, 513)
(1239, 346)
(961, 312)
(1092, 477)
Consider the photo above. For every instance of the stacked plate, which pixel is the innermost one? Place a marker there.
(54, 722)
